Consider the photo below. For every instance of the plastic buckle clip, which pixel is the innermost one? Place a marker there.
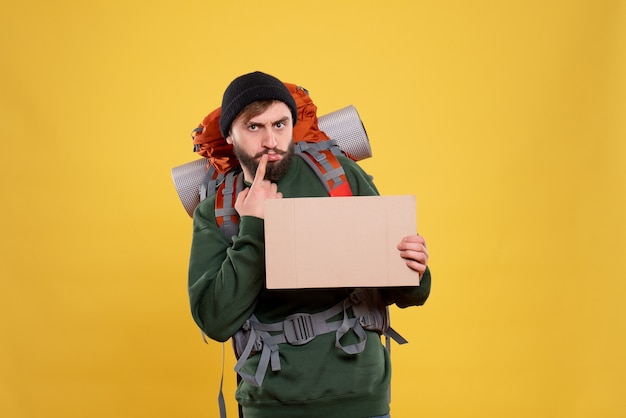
(357, 296)
(298, 329)
(366, 321)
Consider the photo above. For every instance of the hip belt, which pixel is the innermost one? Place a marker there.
(369, 312)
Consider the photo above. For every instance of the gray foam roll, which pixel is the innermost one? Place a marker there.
(187, 179)
(345, 127)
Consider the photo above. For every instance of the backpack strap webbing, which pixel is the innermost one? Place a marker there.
(225, 214)
(297, 329)
(211, 181)
(359, 312)
(322, 158)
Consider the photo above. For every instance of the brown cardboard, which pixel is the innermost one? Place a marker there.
(338, 242)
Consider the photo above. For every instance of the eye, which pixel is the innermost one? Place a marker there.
(253, 127)
(280, 124)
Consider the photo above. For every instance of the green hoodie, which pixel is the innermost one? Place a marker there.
(227, 286)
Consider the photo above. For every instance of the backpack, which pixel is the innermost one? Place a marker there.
(224, 178)
(341, 131)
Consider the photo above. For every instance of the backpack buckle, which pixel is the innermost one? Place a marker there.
(366, 321)
(357, 296)
(298, 329)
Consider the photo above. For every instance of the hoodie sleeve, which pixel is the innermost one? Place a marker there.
(224, 280)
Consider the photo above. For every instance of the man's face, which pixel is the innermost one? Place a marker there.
(269, 132)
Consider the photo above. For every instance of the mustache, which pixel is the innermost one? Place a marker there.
(275, 150)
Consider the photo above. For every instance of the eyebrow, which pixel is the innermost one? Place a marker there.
(281, 120)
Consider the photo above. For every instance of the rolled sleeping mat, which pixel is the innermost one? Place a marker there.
(343, 125)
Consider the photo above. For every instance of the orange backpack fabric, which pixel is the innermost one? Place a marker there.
(306, 129)
(209, 143)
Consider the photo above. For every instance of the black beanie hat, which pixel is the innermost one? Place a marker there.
(251, 88)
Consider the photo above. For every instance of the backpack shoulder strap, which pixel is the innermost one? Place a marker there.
(322, 158)
(225, 187)
(226, 195)
(211, 181)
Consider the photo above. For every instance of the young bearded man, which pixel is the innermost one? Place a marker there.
(318, 378)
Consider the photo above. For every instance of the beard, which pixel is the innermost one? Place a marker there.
(274, 169)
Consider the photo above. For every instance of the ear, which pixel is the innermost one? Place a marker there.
(229, 140)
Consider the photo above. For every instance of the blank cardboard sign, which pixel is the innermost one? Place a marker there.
(338, 242)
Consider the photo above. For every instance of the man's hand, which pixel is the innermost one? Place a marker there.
(251, 201)
(413, 250)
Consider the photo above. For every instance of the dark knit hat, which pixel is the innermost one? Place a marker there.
(251, 88)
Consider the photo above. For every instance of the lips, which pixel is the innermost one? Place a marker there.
(273, 157)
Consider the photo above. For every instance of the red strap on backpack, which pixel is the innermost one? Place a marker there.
(337, 185)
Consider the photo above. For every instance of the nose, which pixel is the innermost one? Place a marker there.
(269, 140)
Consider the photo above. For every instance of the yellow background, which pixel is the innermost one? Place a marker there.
(505, 119)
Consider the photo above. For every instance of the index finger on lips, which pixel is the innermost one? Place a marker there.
(259, 176)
